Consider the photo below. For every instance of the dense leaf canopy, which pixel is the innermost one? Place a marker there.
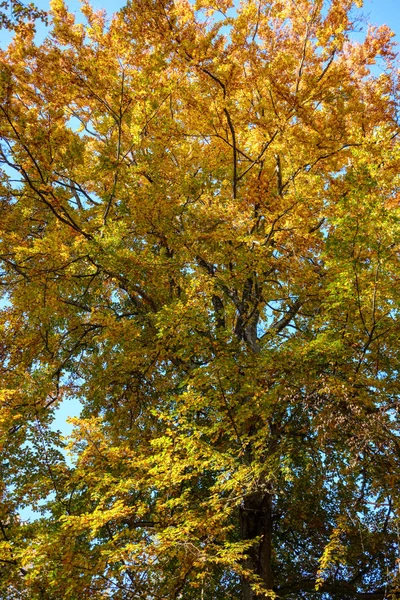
(200, 241)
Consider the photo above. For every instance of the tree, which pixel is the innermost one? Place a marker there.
(16, 15)
(200, 241)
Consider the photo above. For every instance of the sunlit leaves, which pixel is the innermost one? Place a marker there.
(199, 240)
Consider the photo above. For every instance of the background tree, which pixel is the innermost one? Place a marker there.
(200, 240)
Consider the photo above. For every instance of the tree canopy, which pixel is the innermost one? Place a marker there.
(200, 241)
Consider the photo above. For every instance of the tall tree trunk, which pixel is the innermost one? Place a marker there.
(256, 509)
(256, 522)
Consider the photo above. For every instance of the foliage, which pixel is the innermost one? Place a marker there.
(200, 241)
(14, 15)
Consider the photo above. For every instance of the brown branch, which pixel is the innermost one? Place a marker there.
(42, 195)
(342, 588)
(256, 161)
(215, 78)
(327, 66)
(232, 129)
(303, 59)
(285, 320)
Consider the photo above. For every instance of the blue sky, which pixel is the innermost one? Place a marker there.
(376, 12)
(384, 12)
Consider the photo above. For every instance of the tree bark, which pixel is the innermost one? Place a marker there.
(256, 522)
